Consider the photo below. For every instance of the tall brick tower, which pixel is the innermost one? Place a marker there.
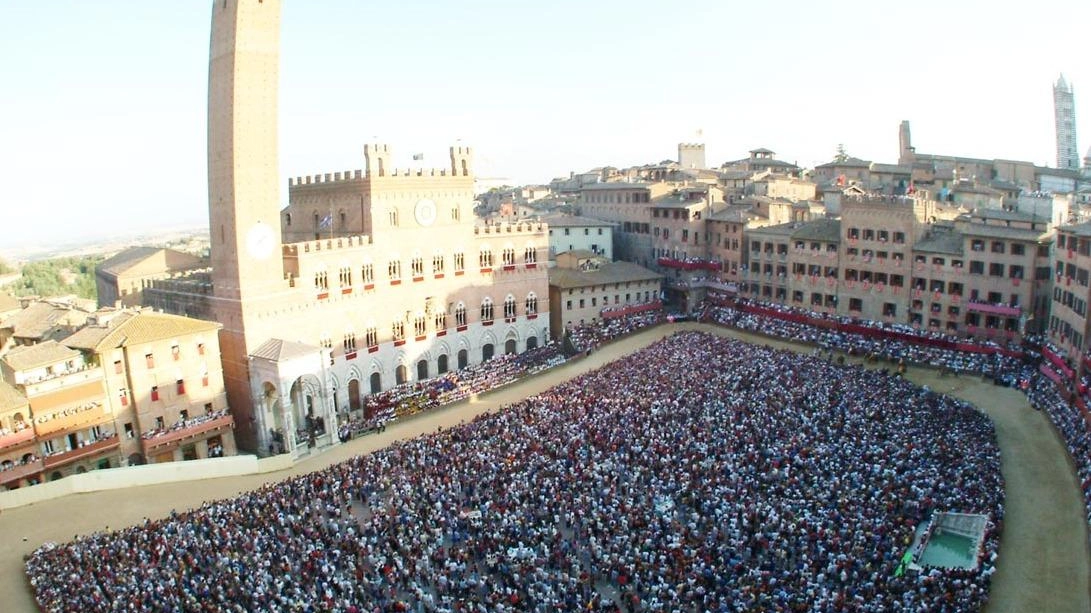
(243, 185)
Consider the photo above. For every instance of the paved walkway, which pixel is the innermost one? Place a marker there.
(1043, 562)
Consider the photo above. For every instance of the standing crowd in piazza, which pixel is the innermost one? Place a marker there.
(1059, 403)
(761, 480)
(982, 362)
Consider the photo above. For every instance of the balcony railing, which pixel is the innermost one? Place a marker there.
(615, 312)
(16, 438)
(193, 431)
(20, 471)
(77, 417)
(995, 309)
(689, 264)
(100, 446)
(83, 368)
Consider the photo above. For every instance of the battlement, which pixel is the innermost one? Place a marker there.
(508, 228)
(326, 244)
(691, 145)
(419, 172)
(335, 177)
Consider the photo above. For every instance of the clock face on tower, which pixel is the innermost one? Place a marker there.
(259, 241)
(425, 212)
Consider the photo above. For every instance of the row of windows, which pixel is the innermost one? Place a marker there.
(889, 309)
(586, 231)
(439, 321)
(675, 214)
(149, 358)
(617, 198)
(1065, 329)
(582, 302)
(416, 266)
(880, 278)
(326, 223)
(604, 287)
(869, 234)
(978, 244)
(1070, 300)
(1069, 270)
(179, 390)
(1073, 243)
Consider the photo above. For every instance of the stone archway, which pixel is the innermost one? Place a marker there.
(510, 346)
(532, 342)
(463, 359)
(441, 364)
(487, 351)
(401, 374)
(376, 383)
(308, 409)
(422, 370)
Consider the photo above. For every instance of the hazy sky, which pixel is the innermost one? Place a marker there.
(102, 116)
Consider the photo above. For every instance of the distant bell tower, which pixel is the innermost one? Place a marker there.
(243, 184)
(1064, 113)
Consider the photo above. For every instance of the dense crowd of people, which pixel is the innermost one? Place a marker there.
(413, 397)
(1045, 393)
(955, 361)
(1071, 425)
(588, 336)
(759, 480)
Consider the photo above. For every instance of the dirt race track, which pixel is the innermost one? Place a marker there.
(1043, 564)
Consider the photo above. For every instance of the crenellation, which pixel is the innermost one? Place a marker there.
(326, 244)
(326, 178)
(519, 227)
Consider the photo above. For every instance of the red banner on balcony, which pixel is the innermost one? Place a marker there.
(994, 309)
(875, 332)
(1049, 372)
(614, 313)
(1058, 361)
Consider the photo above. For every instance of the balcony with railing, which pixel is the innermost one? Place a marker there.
(689, 264)
(198, 427)
(12, 473)
(74, 418)
(994, 308)
(631, 309)
(61, 376)
(14, 439)
(84, 451)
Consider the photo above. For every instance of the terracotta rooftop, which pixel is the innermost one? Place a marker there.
(819, 230)
(612, 272)
(39, 318)
(11, 398)
(564, 221)
(276, 350)
(26, 357)
(128, 329)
